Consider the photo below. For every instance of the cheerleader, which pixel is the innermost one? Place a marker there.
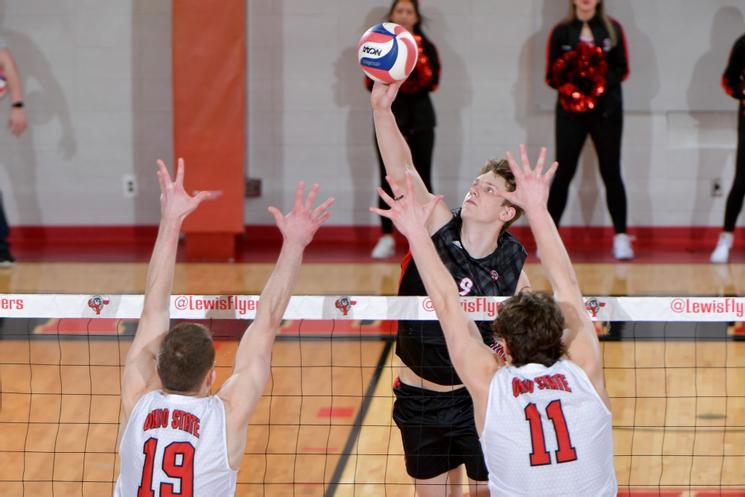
(733, 82)
(587, 61)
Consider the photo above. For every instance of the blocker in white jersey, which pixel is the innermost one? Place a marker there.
(178, 438)
(175, 445)
(547, 432)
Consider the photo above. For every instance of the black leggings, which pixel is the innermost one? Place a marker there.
(421, 143)
(737, 192)
(571, 133)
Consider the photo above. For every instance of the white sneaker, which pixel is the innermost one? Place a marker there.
(622, 247)
(721, 253)
(385, 248)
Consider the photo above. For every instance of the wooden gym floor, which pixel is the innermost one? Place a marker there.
(323, 427)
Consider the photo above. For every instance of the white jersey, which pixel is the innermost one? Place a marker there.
(547, 433)
(175, 445)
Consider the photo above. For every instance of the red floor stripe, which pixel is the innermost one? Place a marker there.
(668, 244)
(335, 412)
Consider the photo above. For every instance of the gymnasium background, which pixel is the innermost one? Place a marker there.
(98, 81)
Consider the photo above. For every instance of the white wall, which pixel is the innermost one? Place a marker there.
(97, 76)
(309, 117)
(98, 82)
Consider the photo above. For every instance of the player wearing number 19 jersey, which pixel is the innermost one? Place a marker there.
(187, 435)
(178, 438)
(541, 411)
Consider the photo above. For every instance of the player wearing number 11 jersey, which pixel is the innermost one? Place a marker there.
(178, 439)
(542, 412)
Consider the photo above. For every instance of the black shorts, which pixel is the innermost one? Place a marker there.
(438, 432)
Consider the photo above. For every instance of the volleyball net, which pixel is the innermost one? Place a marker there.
(674, 368)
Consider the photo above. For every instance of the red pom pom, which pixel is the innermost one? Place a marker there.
(580, 76)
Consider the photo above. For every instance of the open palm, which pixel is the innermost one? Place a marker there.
(175, 203)
(301, 223)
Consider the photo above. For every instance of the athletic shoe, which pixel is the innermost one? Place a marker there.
(385, 247)
(622, 247)
(6, 259)
(721, 252)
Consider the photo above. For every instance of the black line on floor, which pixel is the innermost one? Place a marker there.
(357, 425)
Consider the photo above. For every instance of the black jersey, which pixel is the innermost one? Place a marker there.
(566, 36)
(421, 344)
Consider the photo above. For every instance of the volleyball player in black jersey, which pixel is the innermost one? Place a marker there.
(433, 409)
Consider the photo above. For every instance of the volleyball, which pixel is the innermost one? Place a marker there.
(387, 52)
(3, 85)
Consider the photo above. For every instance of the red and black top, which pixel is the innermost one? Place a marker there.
(733, 79)
(421, 344)
(413, 108)
(565, 37)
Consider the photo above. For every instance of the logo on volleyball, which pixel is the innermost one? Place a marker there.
(344, 304)
(387, 52)
(593, 306)
(97, 303)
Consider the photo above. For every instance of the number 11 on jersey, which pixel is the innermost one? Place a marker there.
(540, 456)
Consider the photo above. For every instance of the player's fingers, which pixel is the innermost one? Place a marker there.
(278, 217)
(386, 198)
(551, 171)
(409, 184)
(516, 171)
(311, 196)
(180, 171)
(299, 193)
(324, 206)
(541, 161)
(162, 168)
(381, 212)
(430, 206)
(161, 174)
(325, 217)
(204, 195)
(524, 159)
(395, 188)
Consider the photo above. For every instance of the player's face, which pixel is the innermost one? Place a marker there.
(405, 15)
(485, 200)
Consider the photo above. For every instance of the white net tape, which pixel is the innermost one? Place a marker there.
(353, 307)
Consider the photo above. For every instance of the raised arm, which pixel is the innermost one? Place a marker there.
(17, 122)
(474, 362)
(396, 153)
(242, 390)
(140, 375)
(531, 194)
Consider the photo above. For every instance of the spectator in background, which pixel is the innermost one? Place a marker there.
(733, 82)
(414, 112)
(587, 61)
(17, 125)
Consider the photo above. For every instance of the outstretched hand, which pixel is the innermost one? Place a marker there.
(407, 214)
(531, 183)
(175, 203)
(383, 95)
(301, 223)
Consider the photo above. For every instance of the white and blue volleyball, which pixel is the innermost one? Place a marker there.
(387, 52)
